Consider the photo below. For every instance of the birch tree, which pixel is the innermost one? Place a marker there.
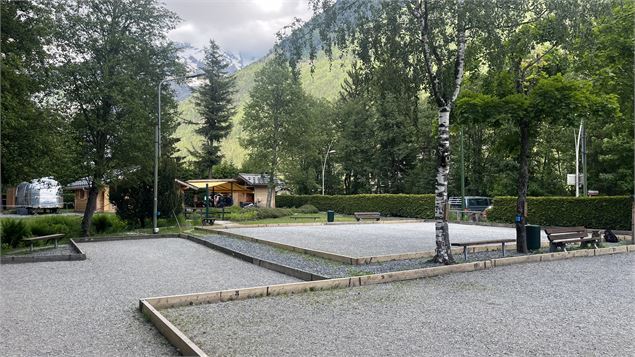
(446, 34)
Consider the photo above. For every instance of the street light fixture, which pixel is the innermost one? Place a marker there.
(328, 151)
(157, 148)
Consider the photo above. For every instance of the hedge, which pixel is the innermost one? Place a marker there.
(591, 212)
(399, 205)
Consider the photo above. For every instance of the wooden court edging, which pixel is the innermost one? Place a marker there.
(353, 260)
(177, 338)
(151, 306)
(126, 237)
(18, 259)
(280, 268)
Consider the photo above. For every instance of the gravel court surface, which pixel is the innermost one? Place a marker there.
(91, 307)
(581, 306)
(358, 240)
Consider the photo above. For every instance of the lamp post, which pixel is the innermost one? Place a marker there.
(326, 156)
(157, 149)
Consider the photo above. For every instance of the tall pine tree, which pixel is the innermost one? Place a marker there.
(215, 105)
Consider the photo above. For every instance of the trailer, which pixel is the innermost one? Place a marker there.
(39, 195)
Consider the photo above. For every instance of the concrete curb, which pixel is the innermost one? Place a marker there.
(17, 259)
(280, 268)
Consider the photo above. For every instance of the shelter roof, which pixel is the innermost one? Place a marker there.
(219, 185)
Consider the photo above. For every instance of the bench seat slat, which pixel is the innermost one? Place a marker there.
(50, 236)
(482, 242)
(552, 230)
(567, 235)
(573, 240)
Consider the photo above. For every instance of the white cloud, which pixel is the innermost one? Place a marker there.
(240, 26)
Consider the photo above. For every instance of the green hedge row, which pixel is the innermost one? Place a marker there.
(591, 212)
(413, 206)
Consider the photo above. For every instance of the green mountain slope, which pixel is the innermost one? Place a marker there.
(324, 83)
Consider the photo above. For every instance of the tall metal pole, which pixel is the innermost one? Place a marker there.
(328, 151)
(585, 188)
(157, 151)
(462, 173)
(157, 134)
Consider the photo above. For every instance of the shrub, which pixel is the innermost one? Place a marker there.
(308, 208)
(591, 212)
(108, 223)
(397, 205)
(70, 226)
(13, 230)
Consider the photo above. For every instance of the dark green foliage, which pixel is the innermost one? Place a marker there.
(591, 212)
(108, 223)
(214, 103)
(13, 230)
(308, 208)
(133, 195)
(67, 225)
(225, 170)
(412, 206)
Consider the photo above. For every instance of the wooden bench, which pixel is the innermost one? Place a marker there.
(367, 215)
(561, 236)
(482, 242)
(304, 217)
(31, 240)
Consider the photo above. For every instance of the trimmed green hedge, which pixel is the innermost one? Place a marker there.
(591, 212)
(412, 206)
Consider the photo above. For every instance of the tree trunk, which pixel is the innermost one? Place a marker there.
(271, 187)
(91, 206)
(443, 252)
(523, 179)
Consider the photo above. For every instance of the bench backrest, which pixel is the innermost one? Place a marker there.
(554, 233)
(367, 214)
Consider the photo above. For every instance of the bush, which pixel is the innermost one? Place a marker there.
(591, 212)
(70, 226)
(13, 230)
(308, 208)
(108, 223)
(397, 205)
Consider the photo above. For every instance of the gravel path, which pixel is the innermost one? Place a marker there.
(358, 240)
(582, 306)
(91, 307)
(329, 268)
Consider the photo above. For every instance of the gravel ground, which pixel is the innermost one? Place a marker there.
(582, 306)
(329, 268)
(358, 240)
(91, 307)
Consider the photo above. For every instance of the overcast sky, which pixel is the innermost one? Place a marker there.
(247, 27)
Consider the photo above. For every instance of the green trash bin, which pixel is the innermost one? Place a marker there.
(330, 215)
(533, 236)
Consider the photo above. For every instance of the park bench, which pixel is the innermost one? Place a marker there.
(465, 245)
(561, 236)
(304, 217)
(208, 221)
(32, 240)
(367, 215)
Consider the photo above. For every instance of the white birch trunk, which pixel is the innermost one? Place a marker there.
(443, 252)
